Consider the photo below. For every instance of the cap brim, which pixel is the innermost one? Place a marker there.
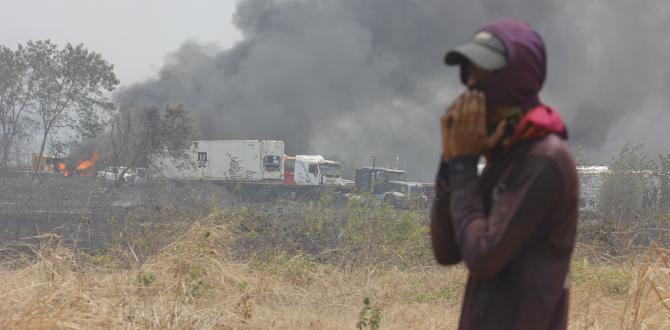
(482, 56)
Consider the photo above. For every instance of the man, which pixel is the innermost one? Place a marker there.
(514, 226)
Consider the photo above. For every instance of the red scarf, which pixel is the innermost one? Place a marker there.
(537, 122)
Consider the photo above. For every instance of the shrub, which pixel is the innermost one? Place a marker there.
(369, 317)
(335, 231)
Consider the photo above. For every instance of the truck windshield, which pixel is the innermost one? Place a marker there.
(396, 176)
(416, 189)
(330, 170)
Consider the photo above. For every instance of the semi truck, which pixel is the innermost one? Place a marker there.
(229, 160)
(255, 169)
(390, 185)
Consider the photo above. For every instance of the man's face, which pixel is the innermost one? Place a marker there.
(476, 74)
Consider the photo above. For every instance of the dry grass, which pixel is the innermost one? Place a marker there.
(194, 284)
(629, 294)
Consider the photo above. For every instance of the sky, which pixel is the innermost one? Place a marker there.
(134, 35)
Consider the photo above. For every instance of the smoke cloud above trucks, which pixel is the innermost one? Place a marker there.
(357, 79)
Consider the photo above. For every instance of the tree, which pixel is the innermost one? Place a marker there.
(628, 188)
(664, 182)
(69, 84)
(582, 155)
(139, 135)
(16, 92)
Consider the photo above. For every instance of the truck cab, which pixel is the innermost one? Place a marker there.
(378, 179)
(391, 185)
(316, 171)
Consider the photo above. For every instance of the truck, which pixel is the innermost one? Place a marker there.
(260, 170)
(114, 175)
(390, 185)
(313, 170)
(44, 164)
(255, 169)
(229, 160)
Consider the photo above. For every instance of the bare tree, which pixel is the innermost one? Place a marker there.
(139, 135)
(16, 92)
(69, 84)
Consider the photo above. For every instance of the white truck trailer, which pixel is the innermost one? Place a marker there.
(229, 160)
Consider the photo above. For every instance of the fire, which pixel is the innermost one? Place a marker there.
(63, 168)
(87, 167)
(89, 163)
(77, 168)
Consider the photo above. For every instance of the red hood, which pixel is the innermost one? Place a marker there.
(539, 121)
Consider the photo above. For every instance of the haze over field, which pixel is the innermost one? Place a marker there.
(109, 227)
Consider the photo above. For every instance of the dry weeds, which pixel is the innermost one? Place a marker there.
(195, 284)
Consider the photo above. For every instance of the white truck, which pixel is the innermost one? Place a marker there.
(123, 175)
(256, 170)
(229, 160)
(314, 170)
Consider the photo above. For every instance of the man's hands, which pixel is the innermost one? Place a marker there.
(464, 128)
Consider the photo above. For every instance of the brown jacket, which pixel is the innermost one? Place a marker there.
(514, 228)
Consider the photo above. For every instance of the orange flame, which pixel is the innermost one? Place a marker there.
(89, 163)
(83, 168)
(86, 167)
(63, 169)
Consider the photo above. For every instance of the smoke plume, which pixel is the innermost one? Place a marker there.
(354, 79)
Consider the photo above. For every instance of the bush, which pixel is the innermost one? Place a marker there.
(634, 204)
(335, 231)
(369, 317)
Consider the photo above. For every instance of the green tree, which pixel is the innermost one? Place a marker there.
(69, 84)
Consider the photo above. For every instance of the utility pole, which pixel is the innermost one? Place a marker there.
(373, 175)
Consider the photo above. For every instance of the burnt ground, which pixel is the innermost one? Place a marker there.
(89, 215)
(82, 211)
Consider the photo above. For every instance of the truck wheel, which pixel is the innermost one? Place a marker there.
(391, 200)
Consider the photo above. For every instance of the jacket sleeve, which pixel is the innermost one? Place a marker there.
(519, 206)
(441, 229)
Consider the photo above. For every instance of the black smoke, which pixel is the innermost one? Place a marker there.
(353, 79)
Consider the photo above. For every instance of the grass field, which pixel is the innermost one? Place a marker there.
(194, 283)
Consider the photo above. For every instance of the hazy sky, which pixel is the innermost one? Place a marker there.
(134, 35)
(348, 78)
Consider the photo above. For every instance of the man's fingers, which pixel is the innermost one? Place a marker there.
(463, 113)
(455, 124)
(480, 112)
(456, 113)
(495, 138)
(474, 102)
(445, 121)
(456, 105)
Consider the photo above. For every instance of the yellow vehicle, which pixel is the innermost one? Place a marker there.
(44, 164)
